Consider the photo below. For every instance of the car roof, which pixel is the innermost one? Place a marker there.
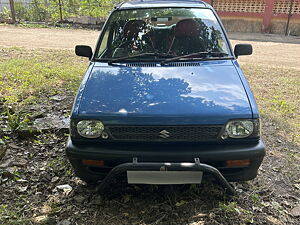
(134, 4)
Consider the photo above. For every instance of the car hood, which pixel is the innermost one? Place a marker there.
(202, 90)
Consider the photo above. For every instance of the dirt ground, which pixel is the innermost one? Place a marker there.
(33, 185)
(268, 48)
(11, 36)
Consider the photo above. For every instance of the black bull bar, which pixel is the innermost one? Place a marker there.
(144, 166)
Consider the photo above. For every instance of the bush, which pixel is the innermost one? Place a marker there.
(49, 10)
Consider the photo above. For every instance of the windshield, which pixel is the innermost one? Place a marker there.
(165, 32)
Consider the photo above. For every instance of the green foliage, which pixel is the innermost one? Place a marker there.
(255, 198)
(95, 8)
(229, 208)
(17, 121)
(49, 10)
(11, 216)
(60, 165)
(35, 25)
(5, 14)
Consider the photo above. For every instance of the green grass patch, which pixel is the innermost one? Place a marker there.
(28, 78)
(9, 216)
(32, 76)
(276, 90)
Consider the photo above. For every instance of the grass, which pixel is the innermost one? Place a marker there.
(44, 25)
(26, 79)
(11, 216)
(31, 77)
(277, 93)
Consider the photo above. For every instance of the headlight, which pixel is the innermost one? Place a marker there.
(90, 128)
(240, 128)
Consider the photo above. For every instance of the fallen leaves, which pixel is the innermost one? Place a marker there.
(65, 188)
(54, 179)
(295, 212)
(180, 203)
(2, 150)
(22, 189)
(273, 220)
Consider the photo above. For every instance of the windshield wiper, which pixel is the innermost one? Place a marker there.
(202, 55)
(138, 56)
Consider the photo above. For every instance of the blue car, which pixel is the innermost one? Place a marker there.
(164, 100)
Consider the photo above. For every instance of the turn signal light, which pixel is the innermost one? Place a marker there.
(89, 162)
(235, 163)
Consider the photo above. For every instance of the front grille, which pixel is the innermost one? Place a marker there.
(164, 133)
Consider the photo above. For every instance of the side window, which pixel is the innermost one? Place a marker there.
(111, 39)
(104, 43)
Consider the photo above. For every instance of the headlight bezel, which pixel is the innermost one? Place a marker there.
(254, 135)
(77, 133)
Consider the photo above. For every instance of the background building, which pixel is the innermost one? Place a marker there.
(259, 15)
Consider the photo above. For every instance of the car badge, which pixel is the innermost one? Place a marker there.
(164, 134)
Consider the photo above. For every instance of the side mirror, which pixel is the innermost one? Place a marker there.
(84, 50)
(242, 49)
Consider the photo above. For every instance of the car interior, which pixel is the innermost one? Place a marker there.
(160, 35)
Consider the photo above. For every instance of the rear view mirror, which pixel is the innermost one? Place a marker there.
(84, 50)
(243, 49)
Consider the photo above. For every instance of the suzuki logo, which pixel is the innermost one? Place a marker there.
(164, 134)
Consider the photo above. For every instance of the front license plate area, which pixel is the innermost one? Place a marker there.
(164, 177)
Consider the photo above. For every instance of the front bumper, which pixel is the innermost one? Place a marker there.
(211, 155)
(135, 166)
